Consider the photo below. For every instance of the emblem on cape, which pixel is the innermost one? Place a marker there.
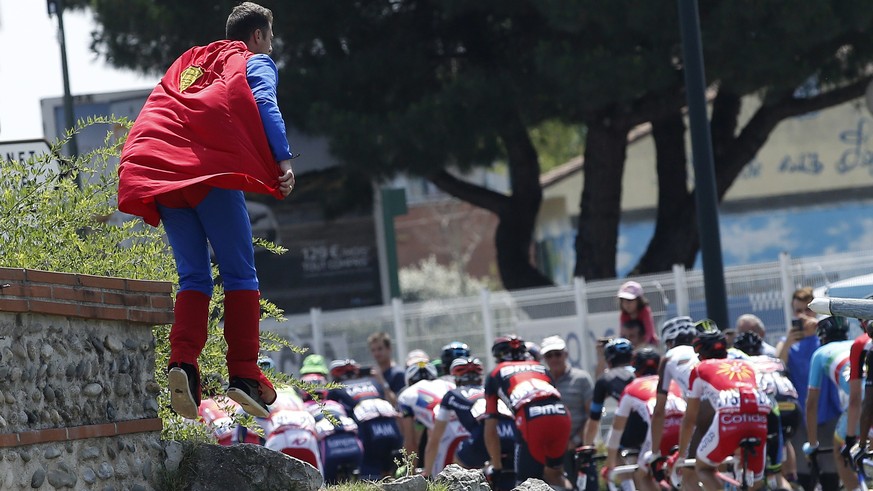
(189, 76)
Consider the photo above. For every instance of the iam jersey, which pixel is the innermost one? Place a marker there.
(772, 378)
(518, 383)
(638, 399)
(729, 386)
(832, 361)
(421, 400)
(363, 398)
(679, 361)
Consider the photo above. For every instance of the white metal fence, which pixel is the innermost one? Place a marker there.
(579, 313)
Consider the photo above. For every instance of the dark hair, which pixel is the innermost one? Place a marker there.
(638, 325)
(245, 19)
(381, 337)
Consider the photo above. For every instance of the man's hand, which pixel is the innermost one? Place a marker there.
(810, 448)
(858, 454)
(846, 449)
(286, 180)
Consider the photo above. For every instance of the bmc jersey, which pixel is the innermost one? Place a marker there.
(518, 383)
(421, 400)
(677, 365)
(832, 361)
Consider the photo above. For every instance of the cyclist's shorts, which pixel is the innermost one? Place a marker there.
(381, 440)
(545, 427)
(298, 443)
(723, 437)
(790, 416)
(340, 450)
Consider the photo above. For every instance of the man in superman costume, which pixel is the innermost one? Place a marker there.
(209, 131)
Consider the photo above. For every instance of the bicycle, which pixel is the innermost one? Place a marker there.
(814, 469)
(586, 468)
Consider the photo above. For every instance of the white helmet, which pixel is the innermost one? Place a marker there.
(677, 327)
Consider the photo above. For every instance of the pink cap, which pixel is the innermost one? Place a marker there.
(631, 290)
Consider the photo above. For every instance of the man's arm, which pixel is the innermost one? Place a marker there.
(853, 413)
(433, 444)
(866, 416)
(492, 443)
(812, 415)
(618, 424)
(592, 427)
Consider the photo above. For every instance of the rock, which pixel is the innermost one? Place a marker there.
(532, 484)
(93, 390)
(62, 477)
(254, 468)
(457, 478)
(174, 456)
(37, 478)
(410, 483)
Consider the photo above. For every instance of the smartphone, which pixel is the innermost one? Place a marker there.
(366, 371)
(603, 341)
(797, 324)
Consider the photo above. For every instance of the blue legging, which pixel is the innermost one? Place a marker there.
(220, 220)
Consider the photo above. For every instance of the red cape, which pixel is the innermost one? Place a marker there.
(209, 132)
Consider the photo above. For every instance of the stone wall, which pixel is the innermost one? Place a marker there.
(78, 400)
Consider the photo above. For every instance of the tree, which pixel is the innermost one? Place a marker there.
(764, 48)
(428, 87)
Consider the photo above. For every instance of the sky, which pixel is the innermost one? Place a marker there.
(30, 65)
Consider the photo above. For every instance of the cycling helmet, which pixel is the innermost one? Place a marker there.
(344, 369)
(316, 387)
(618, 351)
(748, 342)
(314, 364)
(534, 352)
(509, 348)
(419, 371)
(678, 330)
(450, 352)
(266, 363)
(711, 344)
(706, 325)
(467, 371)
(645, 362)
(833, 328)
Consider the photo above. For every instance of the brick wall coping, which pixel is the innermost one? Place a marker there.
(48, 435)
(85, 296)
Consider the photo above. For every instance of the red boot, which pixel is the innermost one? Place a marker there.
(188, 334)
(242, 315)
(187, 339)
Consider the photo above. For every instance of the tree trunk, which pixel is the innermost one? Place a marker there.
(517, 213)
(675, 240)
(600, 206)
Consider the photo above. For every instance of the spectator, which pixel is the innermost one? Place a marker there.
(635, 332)
(386, 373)
(634, 305)
(751, 322)
(576, 388)
(795, 350)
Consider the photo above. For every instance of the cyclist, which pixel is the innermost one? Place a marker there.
(341, 450)
(417, 403)
(617, 353)
(785, 414)
(858, 363)
(292, 432)
(457, 435)
(448, 354)
(364, 399)
(541, 418)
(866, 407)
(215, 410)
(830, 369)
(633, 416)
(725, 400)
(678, 335)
